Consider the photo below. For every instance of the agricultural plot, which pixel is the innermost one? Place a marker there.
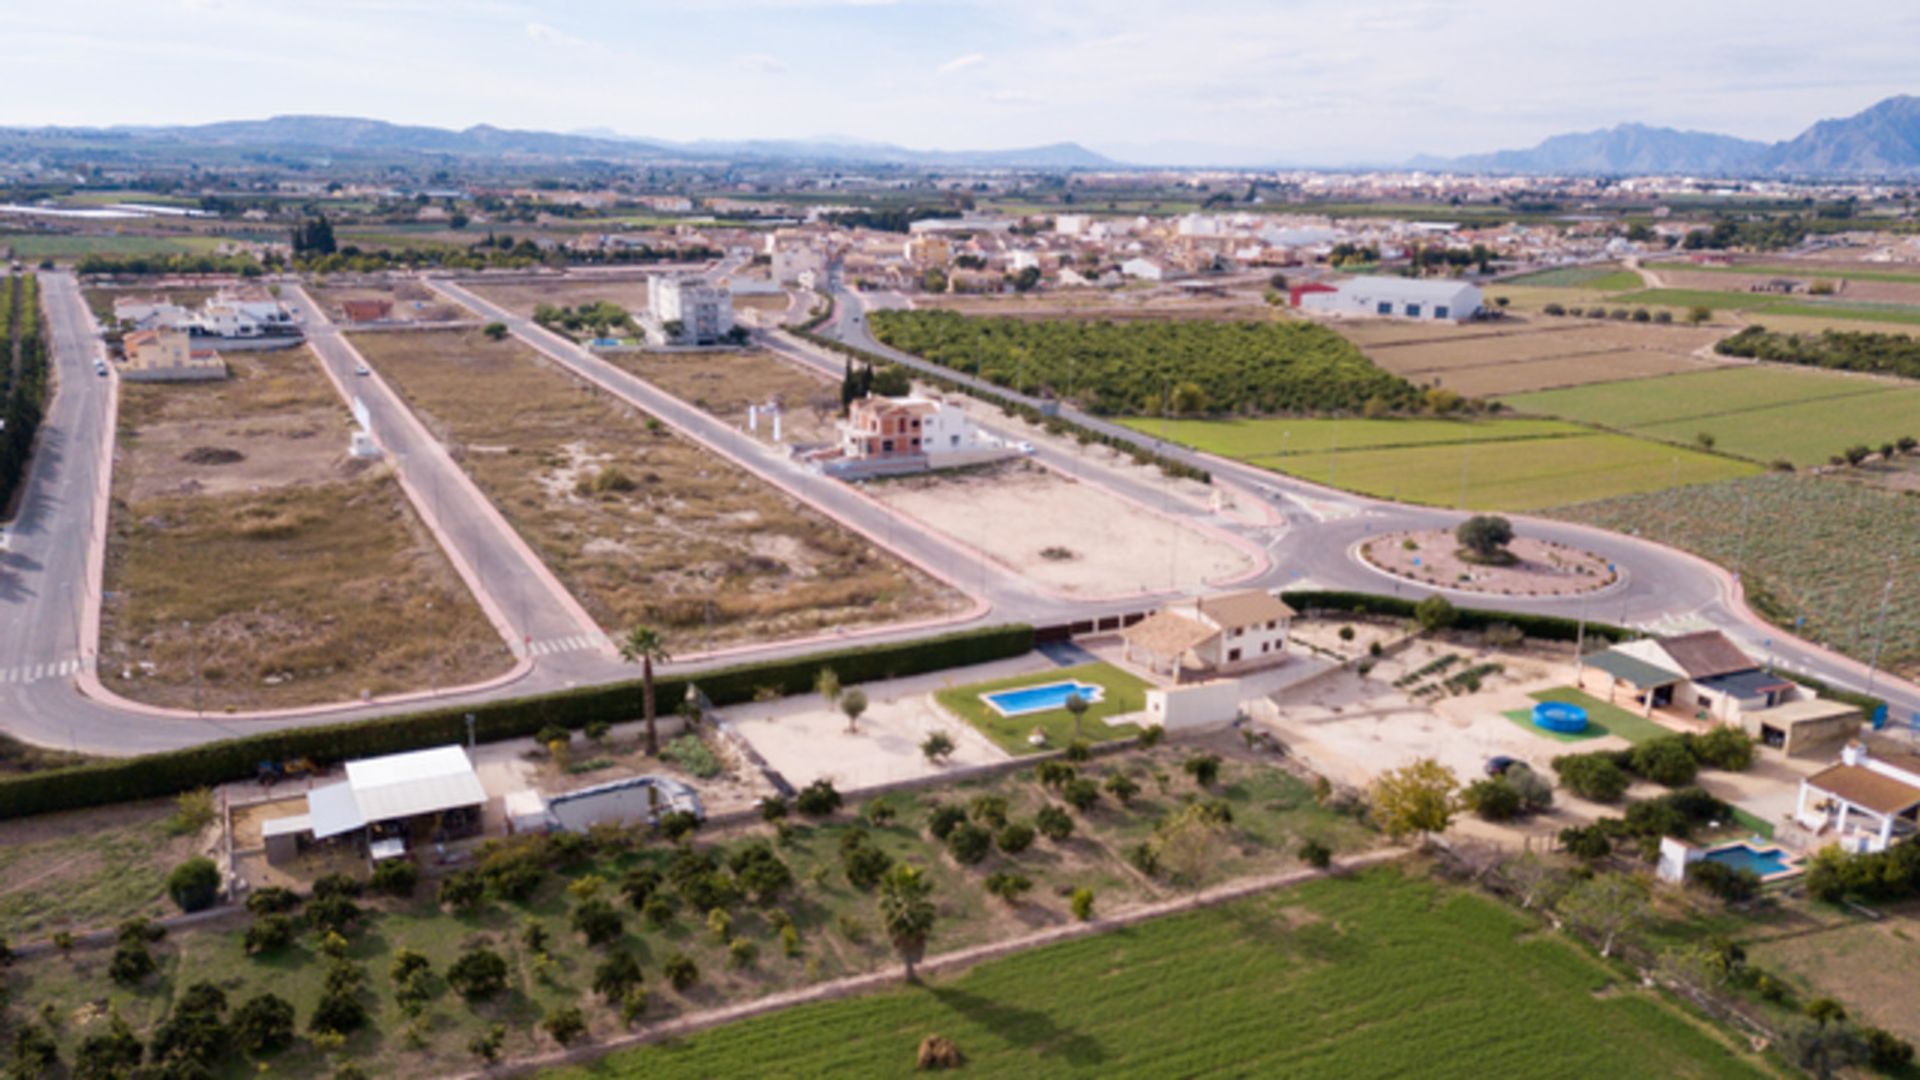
(32, 247)
(741, 956)
(1763, 304)
(1122, 694)
(641, 525)
(1763, 413)
(1548, 353)
(1260, 440)
(1494, 380)
(251, 563)
(1847, 285)
(1383, 974)
(77, 870)
(1605, 277)
(1809, 548)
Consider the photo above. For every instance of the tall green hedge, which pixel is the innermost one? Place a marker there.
(174, 771)
(1541, 627)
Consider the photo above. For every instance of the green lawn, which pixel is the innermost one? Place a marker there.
(1251, 440)
(1124, 694)
(1611, 719)
(1379, 975)
(1760, 413)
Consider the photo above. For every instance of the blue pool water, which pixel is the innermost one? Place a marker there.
(1747, 857)
(1033, 699)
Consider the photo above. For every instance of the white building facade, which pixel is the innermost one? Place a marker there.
(1400, 298)
(687, 311)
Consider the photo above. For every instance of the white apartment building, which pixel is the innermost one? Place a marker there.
(789, 263)
(687, 311)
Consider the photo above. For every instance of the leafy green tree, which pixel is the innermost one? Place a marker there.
(263, 1024)
(1077, 707)
(194, 884)
(1606, 907)
(1434, 612)
(1486, 536)
(853, 703)
(937, 746)
(1417, 799)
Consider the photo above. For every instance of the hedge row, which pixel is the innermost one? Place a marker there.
(1539, 627)
(1167, 465)
(174, 771)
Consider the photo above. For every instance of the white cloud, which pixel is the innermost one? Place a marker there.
(962, 63)
(551, 35)
(762, 62)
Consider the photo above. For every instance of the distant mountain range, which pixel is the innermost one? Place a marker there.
(353, 135)
(1882, 141)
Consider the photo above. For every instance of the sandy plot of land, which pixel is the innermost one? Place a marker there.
(1063, 534)
(804, 741)
(521, 297)
(1366, 332)
(412, 302)
(725, 384)
(250, 555)
(641, 525)
(1415, 357)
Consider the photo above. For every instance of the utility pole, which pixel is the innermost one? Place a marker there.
(1580, 643)
(1880, 634)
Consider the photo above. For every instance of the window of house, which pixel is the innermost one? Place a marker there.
(1384, 307)
(1440, 311)
(886, 446)
(1232, 655)
(1413, 311)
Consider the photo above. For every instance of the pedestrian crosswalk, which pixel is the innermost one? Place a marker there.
(576, 643)
(31, 673)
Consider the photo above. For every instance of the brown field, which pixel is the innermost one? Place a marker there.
(1873, 968)
(249, 553)
(1547, 353)
(772, 303)
(521, 297)
(641, 525)
(724, 384)
(412, 302)
(1370, 332)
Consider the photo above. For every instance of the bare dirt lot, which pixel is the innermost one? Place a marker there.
(1072, 537)
(521, 297)
(724, 384)
(642, 525)
(250, 555)
(412, 302)
(1537, 354)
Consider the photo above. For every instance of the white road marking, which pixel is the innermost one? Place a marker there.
(32, 673)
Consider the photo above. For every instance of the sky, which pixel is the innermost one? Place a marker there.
(1309, 82)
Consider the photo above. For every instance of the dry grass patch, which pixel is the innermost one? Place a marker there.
(303, 574)
(521, 297)
(640, 524)
(412, 302)
(724, 384)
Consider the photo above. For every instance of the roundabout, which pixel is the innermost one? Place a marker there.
(1532, 567)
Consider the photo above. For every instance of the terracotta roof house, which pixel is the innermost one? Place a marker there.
(1865, 803)
(366, 311)
(1213, 635)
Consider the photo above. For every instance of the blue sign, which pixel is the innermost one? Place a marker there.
(1879, 716)
(1416, 560)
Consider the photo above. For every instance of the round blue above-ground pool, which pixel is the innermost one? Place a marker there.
(1560, 716)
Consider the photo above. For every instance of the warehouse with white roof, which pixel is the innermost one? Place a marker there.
(1399, 298)
(421, 794)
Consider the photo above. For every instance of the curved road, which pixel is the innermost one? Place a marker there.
(44, 597)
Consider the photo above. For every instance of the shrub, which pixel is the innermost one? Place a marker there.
(263, 1024)
(1008, 886)
(1122, 788)
(937, 1052)
(681, 971)
(1204, 768)
(617, 973)
(332, 914)
(1082, 793)
(1014, 838)
(989, 810)
(269, 933)
(639, 883)
(1316, 854)
(659, 910)
(1726, 882)
(773, 808)
(486, 1045)
(1494, 799)
(1725, 747)
(195, 884)
(677, 825)
(396, 877)
(1586, 841)
(969, 843)
(513, 870)
(1054, 823)
(942, 820)
(1536, 794)
(596, 920)
(818, 799)
(693, 755)
(741, 953)
(565, 1024)
(937, 746)
(1665, 761)
(1082, 903)
(865, 864)
(1887, 1052)
(1145, 857)
(1150, 736)
(1592, 776)
(337, 1014)
(272, 900)
(1435, 612)
(478, 974)
(1078, 750)
(760, 872)
(1054, 774)
(879, 811)
(463, 890)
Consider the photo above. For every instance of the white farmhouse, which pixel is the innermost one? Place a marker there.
(1396, 297)
(1142, 269)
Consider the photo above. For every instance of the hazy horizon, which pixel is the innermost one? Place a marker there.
(1309, 82)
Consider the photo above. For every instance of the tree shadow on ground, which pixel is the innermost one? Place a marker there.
(1025, 1028)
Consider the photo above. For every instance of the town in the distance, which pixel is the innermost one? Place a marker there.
(504, 601)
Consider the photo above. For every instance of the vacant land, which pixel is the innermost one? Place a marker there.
(1485, 465)
(1384, 974)
(1124, 695)
(836, 926)
(641, 525)
(1869, 966)
(522, 297)
(1073, 537)
(253, 564)
(726, 383)
(412, 302)
(1763, 413)
(1544, 352)
(1812, 548)
(86, 869)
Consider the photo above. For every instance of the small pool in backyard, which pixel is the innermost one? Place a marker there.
(1769, 863)
(1033, 699)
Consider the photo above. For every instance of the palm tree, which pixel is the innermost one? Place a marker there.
(643, 646)
(1076, 705)
(906, 912)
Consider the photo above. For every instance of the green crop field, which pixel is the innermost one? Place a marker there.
(1257, 440)
(1761, 413)
(1810, 271)
(1124, 694)
(1812, 548)
(1379, 975)
(1773, 304)
(47, 246)
(1607, 278)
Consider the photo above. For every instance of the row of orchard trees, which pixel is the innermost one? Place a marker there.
(23, 378)
(1152, 367)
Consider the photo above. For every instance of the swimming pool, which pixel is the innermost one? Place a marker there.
(1768, 863)
(1033, 699)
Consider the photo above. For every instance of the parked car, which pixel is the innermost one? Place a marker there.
(1500, 763)
(362, 369)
